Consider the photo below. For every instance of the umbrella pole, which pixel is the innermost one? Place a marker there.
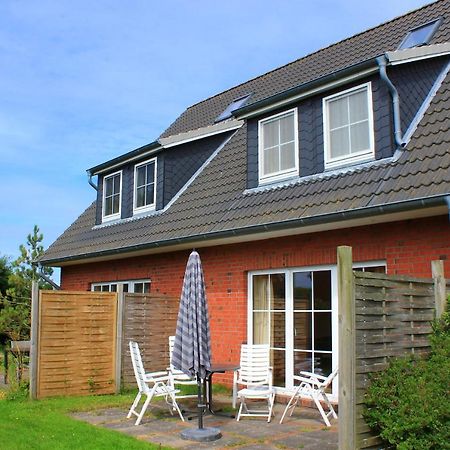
(200, 403)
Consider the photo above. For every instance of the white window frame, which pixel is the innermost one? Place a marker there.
(283, 174)
(117, 215)
(352, 158)
(130, 283)
(150, 206)
(289, 316)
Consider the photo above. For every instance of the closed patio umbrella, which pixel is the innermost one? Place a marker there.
(192, 346)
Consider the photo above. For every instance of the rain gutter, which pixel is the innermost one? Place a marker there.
(370, 211)
(140, 152)
(334, 79)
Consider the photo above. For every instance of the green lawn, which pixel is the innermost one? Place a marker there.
(45, 424)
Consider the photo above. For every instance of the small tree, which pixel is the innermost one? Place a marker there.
(15, 302)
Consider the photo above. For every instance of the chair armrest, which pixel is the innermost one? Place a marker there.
(313, 375)
(157, 376)
(310, 381)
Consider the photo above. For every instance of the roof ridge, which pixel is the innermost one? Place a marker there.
(315, 52)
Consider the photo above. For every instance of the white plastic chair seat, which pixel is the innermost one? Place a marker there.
(150, 384)
(255, 392)
(313, 386)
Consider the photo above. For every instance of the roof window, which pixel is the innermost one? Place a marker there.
(235, 104)
(420, 35)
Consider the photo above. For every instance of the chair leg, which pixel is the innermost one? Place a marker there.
(144, 408)
(330, 406)
(322, 412)
(291, 404)
(175, 405)
(270, 402)
(240, 409)
(133, 406)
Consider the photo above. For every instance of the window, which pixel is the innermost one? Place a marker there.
(348, 127)
(140, 286)
(144, 186)
(235, 104)
(112, 189)
(420, 35)
(278, 147)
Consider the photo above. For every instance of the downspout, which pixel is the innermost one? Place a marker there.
(89, 174)
(46, 278)
(381, 61)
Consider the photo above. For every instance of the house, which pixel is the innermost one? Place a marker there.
(349, 145)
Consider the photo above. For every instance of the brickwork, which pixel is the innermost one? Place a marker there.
(408, 247)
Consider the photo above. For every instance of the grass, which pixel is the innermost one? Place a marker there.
(46, 424)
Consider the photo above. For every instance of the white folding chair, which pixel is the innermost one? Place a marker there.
(152, 384)
(255, 374)
(177, 377)
(313, 386)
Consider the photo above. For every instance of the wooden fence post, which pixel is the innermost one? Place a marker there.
(120, 300)
(347, 356)
(437, 268)
(34, 339)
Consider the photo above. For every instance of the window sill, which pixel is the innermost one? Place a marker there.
(327, 173)
(111, 218)
(279, 178)
(366, 157)
(143, 210)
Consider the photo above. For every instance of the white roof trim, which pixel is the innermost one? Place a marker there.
(417, 53)
(200, 133)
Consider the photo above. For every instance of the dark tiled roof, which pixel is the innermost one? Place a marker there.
(217, 202)
(361, 47)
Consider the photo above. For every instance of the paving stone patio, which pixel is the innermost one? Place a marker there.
(304, 430)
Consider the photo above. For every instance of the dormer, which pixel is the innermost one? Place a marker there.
(360, 115)
(145, 181)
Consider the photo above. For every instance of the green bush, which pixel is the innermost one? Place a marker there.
(408, 404)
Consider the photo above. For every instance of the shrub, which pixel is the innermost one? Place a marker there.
(408, 403)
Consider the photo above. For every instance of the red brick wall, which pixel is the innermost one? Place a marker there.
(407, 247)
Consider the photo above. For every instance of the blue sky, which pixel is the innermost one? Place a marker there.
(82, 82)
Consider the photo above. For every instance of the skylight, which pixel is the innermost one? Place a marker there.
(420, 35)
(235, 104)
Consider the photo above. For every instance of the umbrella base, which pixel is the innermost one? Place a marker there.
(201, 434)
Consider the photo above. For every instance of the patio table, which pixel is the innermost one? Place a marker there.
(217, 368)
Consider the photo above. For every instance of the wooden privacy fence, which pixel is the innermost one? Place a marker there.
(79, 340)
(76, 343)
(380, 316)
(149, 320)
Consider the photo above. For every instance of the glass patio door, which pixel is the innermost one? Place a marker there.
(292, 312)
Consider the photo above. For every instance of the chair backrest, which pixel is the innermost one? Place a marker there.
(138, 367)
(328, 380)
(255, 364)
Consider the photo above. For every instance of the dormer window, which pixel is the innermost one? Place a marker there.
(420, 35)
(278, 147)
(348, 127)
(112, 194)
(144, 186)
